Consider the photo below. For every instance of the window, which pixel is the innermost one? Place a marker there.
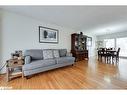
(117, 43)
(122, 44)
(109, 43)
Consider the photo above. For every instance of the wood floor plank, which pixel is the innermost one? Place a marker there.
(86, 74)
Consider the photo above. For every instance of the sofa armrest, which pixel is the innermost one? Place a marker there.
(27, 59)
(69, 54)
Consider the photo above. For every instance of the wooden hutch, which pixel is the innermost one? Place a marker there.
(79, 46)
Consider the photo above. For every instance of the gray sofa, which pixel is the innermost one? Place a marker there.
(39, 60)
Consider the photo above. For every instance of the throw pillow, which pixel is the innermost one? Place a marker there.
(63, 52)
(56, 53)
(47, 54)
(35, 54)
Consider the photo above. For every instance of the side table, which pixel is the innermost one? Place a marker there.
(14, 68)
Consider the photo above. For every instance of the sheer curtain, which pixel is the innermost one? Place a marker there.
(122, 43)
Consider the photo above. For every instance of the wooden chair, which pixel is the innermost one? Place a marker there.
(103, 54)
(106, 55)
(116, 55)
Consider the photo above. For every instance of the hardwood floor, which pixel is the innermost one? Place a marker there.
(90, 74)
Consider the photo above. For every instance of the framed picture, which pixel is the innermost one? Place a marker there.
(48, 35)
(89, 41)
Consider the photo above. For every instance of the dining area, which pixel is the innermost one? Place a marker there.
(108, 55)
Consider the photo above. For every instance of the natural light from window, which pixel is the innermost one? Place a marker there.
(109, 43)
(122, 43)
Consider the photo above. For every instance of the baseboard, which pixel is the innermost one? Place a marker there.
(123, 57)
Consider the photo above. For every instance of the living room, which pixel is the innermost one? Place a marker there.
(21, 27)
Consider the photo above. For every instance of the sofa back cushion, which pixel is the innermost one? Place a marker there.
(63, 52)
(56, 53)
(34, 53)
(47, 54)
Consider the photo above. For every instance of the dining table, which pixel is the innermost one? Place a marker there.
(106, 53)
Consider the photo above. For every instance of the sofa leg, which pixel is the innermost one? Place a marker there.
(72, 64)
(22, 75)
(28, 77)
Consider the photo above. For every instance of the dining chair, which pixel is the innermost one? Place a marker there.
(116, 55)
(100, 53)
(108, 56)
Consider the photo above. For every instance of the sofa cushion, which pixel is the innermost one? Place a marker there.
(39, 64)
(63, 52)
(56, 53)
(47, 54)
(61, 60)
(34, 53)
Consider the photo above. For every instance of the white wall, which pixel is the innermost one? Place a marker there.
(92, 49)
(21, 32)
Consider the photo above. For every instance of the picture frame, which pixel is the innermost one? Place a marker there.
(48, 35)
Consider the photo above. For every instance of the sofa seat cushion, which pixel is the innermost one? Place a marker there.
(38, 64)
(61, 60)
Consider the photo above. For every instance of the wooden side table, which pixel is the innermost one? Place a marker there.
(14, 68)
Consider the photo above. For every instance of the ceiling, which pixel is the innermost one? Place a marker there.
(98, 20)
